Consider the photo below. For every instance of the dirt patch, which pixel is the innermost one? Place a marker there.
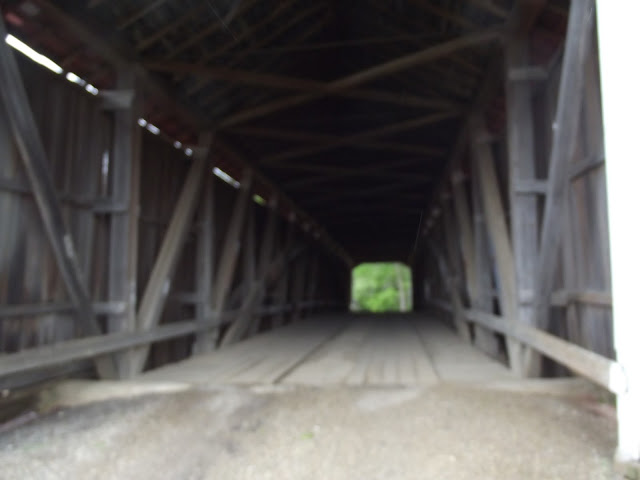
(297, 433)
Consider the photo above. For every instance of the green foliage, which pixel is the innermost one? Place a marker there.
(381, 287)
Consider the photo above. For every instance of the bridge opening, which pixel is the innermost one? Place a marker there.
(381, 287)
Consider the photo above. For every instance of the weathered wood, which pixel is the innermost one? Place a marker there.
(31, 310)
(231, 246)
(319, 138)
(268, 80)
(34, 160)
(124, 167)
(287, 203)
(484, 339)
(600, 370)
(394, 66)
(457, 308)
(97, 346)
(617, 32)
(275, 268)
(498, 234)
(521, 72)
(312, 286)
(563, 298)
(563, 147)
(455, 262)
(523, 186)
(204, 265)
(281, 294)
(357, 138)
(299, 281)
(159, 284)
(268, 244)
(585, 166)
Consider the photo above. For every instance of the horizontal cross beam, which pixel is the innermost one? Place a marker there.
(378, 71)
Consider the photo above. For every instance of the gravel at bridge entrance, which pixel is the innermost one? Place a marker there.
(332, 433)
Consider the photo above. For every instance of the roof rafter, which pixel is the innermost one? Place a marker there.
(396, 65)
(358, 137)
(293, 83)
(275, 33)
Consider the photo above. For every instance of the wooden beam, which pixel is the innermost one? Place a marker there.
(123, 232)
(160, 33)
(268, 244)
(209, 30)
(522, 172)
(300, 214)
(454, 296)
(394, 128)
(563, 298)
(35, 162)
(368, 171)
(34, 310)
(600, 370)
(562, 149)
(204, 265)
(498, 234)
(454, 263)
(350, 81)
(118, 60)
(231, 247)
(319, 138)
(97, 346)
(372, 170)
(468, 249)
(139, 13)
(159, 283)
(247, 321)
(338, 196)
(275, 32)
(269, 80)
(300, 278)
(281, 294)
(484, 339)
(275, 268)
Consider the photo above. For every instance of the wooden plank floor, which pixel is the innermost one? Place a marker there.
(370, 350)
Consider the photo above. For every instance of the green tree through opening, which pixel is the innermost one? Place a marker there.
(381, 287)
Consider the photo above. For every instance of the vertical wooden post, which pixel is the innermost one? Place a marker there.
(312, 285)
(231, 247)
(451, 289)
(570, 94)
(299, 279)
(454, 273)
(282, 289)
(249, 249)
(34, 160)
(204, 267)
(266, 256)
(498, 232)
(524, 212)
(124, 168)
(485, 339)
(620, 74)
(159, 284)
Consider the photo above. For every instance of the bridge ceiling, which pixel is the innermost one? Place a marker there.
(278, 80)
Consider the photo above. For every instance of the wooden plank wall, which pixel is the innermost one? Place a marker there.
(581, 302)
(77, 133)
(582, 310)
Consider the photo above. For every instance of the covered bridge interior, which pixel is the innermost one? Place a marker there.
(185, 175)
